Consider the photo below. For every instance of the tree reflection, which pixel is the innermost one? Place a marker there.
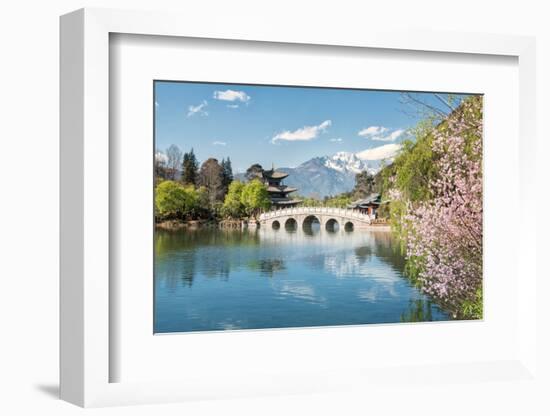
(420, 310)
(388, 250)
(177, 255)
(185, 255)
(363, 253)
(216, 261)
(167, 241)
(267, 267)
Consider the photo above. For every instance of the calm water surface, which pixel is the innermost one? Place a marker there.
(218, 280)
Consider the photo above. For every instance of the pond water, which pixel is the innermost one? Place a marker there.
(211, 279)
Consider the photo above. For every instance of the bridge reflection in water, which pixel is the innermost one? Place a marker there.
(304, 217)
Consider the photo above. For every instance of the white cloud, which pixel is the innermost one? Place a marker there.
(372, 131)
(197, 109)
(157, 105)
(230, 95)
(381, 134)
(336, 139)
(218, 143)
(386, 151)
(302, 134)
(394, 135)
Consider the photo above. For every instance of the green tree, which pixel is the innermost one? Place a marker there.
(364, 185)
(414, 168)
(190, 168)
(255, 198)
(175, 201)
(232, 205)
(308, 201)
(410, 173)
(202, 208)
(338, 201)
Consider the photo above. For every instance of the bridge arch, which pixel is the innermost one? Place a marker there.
(309, 220)
(332, 224)
(275, 225)
(291, 223)
(348, 226)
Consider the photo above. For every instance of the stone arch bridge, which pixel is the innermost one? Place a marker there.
(347, 219)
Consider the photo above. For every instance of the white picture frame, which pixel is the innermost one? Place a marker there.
(86, 355)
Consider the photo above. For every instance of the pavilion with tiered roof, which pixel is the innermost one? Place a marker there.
(278, 192)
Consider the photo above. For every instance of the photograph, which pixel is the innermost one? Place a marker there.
(245, 208)
(300, 206)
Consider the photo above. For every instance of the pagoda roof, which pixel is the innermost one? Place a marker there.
(372, 199)
(284, 189)
(286, 201)
(275, 174)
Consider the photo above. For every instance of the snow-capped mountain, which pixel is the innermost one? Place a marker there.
(327, 175)
(349, 163)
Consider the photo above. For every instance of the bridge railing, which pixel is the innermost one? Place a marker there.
(343, 212)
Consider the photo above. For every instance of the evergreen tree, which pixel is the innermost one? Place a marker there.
(227, 173)
(190, 169)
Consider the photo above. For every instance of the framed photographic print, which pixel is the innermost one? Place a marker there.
(270, 214)
(305, 206)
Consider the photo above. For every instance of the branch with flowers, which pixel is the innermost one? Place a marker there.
(440, 219)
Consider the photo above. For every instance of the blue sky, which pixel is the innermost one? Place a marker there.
(281, 125)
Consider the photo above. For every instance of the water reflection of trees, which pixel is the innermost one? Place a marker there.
(183, 255)
(374, 244)
(267, 267)
(388, 250)
(180, 250)
(167, 241)
(420, 310)
(363, 253)
(178, 257)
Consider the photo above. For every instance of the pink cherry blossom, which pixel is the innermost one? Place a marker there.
(445, 233)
